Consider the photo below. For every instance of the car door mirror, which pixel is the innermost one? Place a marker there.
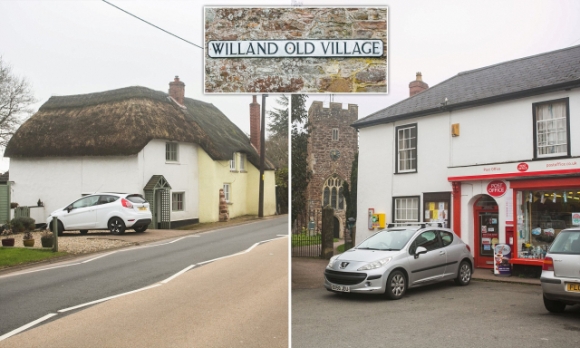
(69, 208)
(420, 250)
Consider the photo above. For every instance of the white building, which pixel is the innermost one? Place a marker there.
(177, 152)
(493, 153)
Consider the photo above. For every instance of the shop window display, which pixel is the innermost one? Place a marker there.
(542, 215)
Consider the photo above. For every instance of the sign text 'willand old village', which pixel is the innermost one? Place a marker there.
(295, 48)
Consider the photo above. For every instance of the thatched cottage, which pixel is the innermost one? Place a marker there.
(178, 152)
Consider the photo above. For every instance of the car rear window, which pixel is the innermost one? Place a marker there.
(136, 199)
(567, 242)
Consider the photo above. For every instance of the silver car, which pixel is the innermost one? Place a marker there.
(398, 258)
(561, 271)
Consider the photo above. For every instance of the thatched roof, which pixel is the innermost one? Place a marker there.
(121, 122)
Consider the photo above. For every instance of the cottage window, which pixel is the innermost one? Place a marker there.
(233, 162)
(242, 162)
(177, 200)
(335, 134)
(406, 209)
(333, 193)
(551, 129)
(227, 190)
(407, 148)
(171, 152)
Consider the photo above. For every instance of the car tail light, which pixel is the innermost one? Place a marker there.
(548, 264)
(125, 203)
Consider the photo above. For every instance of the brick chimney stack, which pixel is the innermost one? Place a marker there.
(177, 90)
(255, 124)
(417, 86)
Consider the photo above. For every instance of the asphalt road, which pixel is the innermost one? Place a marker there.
(27, 296)
(482, 314)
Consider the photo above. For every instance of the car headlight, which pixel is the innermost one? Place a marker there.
(375, 264)
(331, 261)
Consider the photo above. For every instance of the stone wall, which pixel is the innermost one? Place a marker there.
(303, 75)
(321, 147)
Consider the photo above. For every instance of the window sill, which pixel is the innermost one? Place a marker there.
(171, 162)
(234, 171)
(229, 203)
(410, 172)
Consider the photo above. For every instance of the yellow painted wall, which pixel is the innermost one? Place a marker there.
(244, 193)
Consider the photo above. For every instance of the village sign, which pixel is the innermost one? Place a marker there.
(295, 48)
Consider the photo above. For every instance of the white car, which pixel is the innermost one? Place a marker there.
(103, 211)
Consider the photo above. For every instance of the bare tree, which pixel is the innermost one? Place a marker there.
(15, 98)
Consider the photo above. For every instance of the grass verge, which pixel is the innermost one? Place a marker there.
(10, 256)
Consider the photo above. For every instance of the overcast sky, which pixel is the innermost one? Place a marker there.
(77, 47)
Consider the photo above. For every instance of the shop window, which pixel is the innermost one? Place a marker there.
(551, 129)
(436, 207)
(406, 209)
(541, 215)
(406, 148)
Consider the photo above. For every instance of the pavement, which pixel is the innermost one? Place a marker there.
(308, 273)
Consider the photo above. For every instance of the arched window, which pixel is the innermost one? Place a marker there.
(333, 193)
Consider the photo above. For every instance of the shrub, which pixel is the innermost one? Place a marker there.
(27, 235)
(21, 224)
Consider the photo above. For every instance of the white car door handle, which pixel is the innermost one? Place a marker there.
(442, 252)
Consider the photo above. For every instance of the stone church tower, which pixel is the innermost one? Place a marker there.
(331, 149)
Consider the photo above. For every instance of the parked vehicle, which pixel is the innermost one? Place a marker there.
(560, 277)
(101, 211)
(393, 260)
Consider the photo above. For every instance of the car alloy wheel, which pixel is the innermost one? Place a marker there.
(464, 274)
(396, 285)
(116, 226)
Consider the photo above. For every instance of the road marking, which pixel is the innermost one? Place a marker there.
(29, 325)
(107, 298)
(98, 257)
(45, 269)
(177, 274)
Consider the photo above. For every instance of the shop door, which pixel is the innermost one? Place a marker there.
(486, 234)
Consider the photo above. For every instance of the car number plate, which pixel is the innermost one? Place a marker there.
(574, 287)
(340, 288)
(142, 208)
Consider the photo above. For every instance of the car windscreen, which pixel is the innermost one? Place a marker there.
(567, 242)
(387, 240)
(136, 199)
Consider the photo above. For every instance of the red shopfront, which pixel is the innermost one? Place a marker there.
(543, 207)
(539, 207)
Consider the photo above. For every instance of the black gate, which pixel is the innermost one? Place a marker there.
(306, 234)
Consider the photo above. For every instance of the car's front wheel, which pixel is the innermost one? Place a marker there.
(464, 274)
(396, 285)
(116, 226)
(554, 306)
(59, 227)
